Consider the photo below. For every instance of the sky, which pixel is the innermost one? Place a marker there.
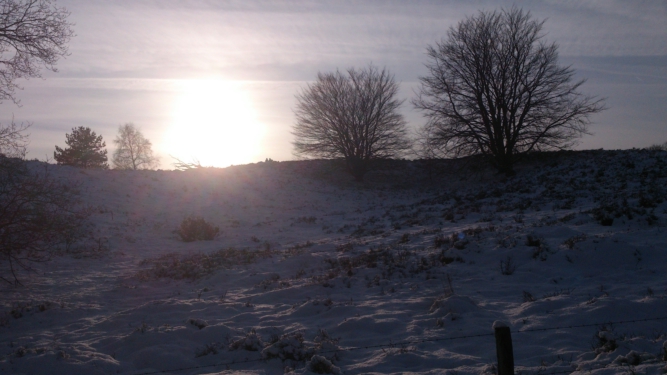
(215, 81)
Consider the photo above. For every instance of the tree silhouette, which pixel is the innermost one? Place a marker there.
(33, 34)
(133, 151)
(86, 150)
(40, 217)
(13, 140)
(353, 116)
(495, 88)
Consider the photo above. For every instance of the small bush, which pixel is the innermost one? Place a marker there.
(194, 228)
(320, 365)
(570, 242)
(40, 218)
(194, 266)
(289, 347)
(533, 241)
(507, 266)
(633, 358)
(528, 297)
(346, 247)
(604, 341)
(609, 209)
(325, 343)
(605, 221)
(441, 240)
(207, 349)
(657, 147)
(305, 220)
(199, 323)
(558, 292)
(251, 342)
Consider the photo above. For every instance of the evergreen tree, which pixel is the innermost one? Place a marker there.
(86, 150)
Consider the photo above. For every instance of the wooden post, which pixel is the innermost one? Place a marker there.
(504, 350)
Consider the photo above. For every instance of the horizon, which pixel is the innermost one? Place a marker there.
(248, 269)
(162, 65)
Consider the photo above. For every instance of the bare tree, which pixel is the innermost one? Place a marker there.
(33, 34)
(40, 217)
(354, 116)
(133, 151)
(13, 140)
(86, 150)
(495, 88)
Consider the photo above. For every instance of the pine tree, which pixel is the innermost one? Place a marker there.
(86, 150)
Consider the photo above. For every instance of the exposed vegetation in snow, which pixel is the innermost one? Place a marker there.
(309, 272)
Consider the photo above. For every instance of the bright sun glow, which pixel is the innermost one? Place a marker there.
(213, 121)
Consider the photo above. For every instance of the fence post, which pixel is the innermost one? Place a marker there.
(504, 350)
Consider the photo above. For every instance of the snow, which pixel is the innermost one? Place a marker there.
(314, 273)
(499, 324)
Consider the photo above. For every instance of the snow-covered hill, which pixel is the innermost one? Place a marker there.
(312, 272)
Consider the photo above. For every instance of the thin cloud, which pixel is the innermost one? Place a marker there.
(128, 56)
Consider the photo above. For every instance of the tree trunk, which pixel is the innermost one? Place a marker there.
(357, 168)
(505, 164)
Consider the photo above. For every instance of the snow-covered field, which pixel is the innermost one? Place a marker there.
(315, 273)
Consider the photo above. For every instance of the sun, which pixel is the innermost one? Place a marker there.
(213, 121)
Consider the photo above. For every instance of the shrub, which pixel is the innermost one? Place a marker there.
(199, 323)
(195, 266)
(211, 348)
(250, 342)
(40, 217)
(533, 241)
(195, 228)
(305, 220)
(657, 147)
(570, 242)
(604, 341)
(289, 346)
(440, 240)
(528, 297)
(320, 365)
(507, 266)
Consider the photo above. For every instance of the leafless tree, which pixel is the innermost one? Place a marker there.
(495, 88)
(33, 34)
(354, 116)
(133, 151)
(13, 140)
(40, 217)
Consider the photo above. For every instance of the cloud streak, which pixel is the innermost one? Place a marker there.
(129, 55)
(177, 39)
